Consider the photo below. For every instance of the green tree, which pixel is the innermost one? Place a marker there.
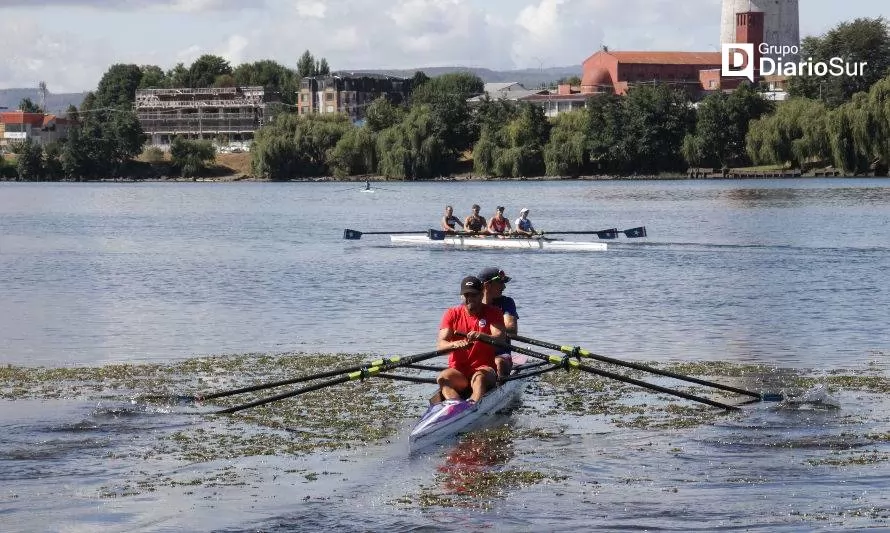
(206, 69)
(862, 40)
(27, 106)
(459, 84)
(657, 118)
(413, 149)
(52, 164)
(153, 77)
(418, 79)
(306, 65)
(294, 146)
(272, 76)
(795, 133)
(178, 76)
(355, 153)
(80, 154)
(382, 114)
(722, 122)
(515, 148)
(566, 151)
(118, 86)
(191, 157)
(607, 139)
(29, 162)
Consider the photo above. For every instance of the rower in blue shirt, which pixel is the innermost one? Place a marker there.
(494, 281)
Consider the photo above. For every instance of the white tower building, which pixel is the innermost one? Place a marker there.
(781, 20)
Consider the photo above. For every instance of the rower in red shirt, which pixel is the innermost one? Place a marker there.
(471, 366)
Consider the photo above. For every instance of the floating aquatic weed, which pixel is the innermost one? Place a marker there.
(852, 458)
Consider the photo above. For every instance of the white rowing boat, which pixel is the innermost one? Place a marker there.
(449, 417)
(460, 241)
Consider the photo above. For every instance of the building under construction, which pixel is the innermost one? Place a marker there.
(228, 114)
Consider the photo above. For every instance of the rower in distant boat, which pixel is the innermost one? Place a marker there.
(499, 224)
(523, 225)
(475, 222)
(471, 366)
(449, 221)
(367, 185)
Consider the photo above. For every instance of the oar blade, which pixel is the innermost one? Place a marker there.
(435, 235)
(607, 234)
(352, 235)
(635, 233)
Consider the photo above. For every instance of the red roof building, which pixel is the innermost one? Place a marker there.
(615, 72)
(18, 126)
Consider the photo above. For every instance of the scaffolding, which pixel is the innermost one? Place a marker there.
(204, 113)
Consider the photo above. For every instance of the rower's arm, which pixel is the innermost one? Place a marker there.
(510, 324)
(444, 341)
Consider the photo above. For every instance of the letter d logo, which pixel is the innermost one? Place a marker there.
(738, 60)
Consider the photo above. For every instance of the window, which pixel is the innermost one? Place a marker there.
(329, 97)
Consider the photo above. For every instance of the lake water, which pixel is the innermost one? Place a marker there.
(790, 274)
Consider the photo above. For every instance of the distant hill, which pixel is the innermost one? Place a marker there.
(55, 103)
(529, 77)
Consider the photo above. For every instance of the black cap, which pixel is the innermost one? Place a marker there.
(470, 284)
(493, 274)
(500, 208)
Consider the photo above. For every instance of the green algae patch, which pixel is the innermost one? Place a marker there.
(848, 459)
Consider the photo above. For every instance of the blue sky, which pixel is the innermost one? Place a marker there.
(70, 43)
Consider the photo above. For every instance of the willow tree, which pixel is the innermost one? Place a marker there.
(795, 133)
(413, 149)
(566, 152)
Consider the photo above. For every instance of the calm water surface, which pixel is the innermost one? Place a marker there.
(789, 273)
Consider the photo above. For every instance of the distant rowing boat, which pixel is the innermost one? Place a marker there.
(534, 243)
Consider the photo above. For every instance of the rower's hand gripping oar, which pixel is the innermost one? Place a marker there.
(370, 370)
(567, 362)
(569, 350)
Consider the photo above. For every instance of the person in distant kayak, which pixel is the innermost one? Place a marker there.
(449, 221)
(475, 222)
(494, 281)
(523, 225)
(471, 366)
(367, 185)
(499, 225)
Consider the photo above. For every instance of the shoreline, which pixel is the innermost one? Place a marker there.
(241, 178)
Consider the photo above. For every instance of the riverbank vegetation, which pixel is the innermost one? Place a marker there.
(842, 123)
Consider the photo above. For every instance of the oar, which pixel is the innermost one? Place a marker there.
(567, 362)
(375, 368)
(354, 235)
(292, 381)
(569, 350)
(612, 233)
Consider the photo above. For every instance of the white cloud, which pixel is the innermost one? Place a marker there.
(311, 9)
(234, 49)
(71, 47)
(65, 62)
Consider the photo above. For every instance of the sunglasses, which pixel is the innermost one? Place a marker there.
(502, 276)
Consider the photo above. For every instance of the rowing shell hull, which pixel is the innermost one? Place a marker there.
(450, 417)
(489, 242)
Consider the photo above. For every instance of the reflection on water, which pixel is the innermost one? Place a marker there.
(468, 468)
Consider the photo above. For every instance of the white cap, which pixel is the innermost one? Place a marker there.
(523, 210)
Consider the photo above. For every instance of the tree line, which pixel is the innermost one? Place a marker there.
(436, 132)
